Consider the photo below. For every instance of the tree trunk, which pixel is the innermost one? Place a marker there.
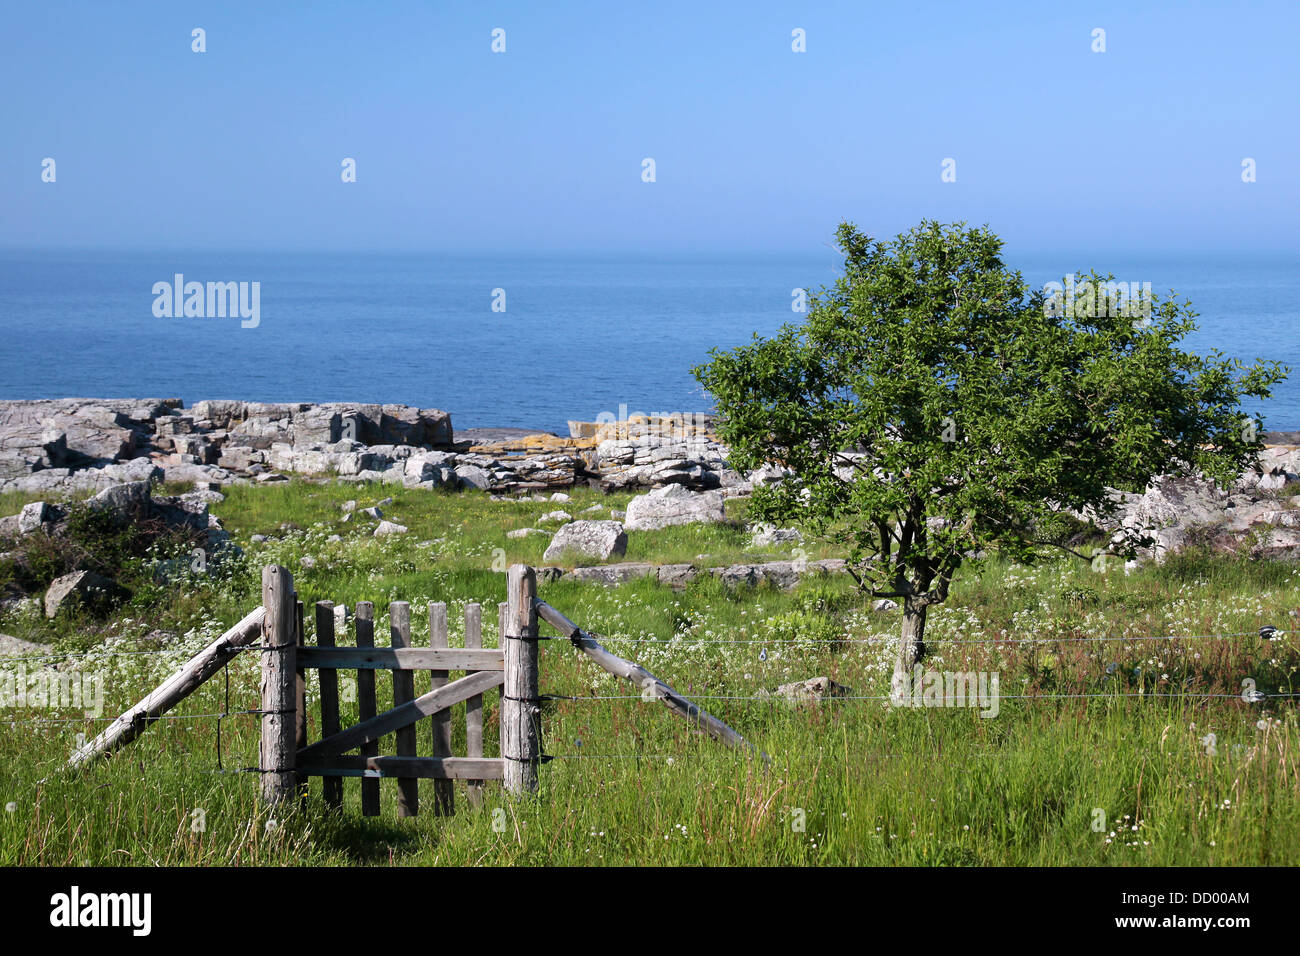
(911, 646)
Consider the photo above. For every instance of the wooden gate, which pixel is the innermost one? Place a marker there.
(287, 759)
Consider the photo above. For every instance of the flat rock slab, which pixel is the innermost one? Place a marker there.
(11, 646)
(674, 505)
(598, 540)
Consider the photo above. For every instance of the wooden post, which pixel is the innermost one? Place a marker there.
(366, 705)
(279, 686)
(328, 678)
(501, 700)
(408, 788)
(299, 695)
(521, 712)
(474, 706)
(444, 791)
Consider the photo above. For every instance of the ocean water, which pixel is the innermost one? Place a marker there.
(580, 335)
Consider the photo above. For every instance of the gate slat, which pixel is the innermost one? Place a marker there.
(366, 705)
(444, 791)
(474, 705)
(332, 787)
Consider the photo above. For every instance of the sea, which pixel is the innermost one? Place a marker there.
(523, 341)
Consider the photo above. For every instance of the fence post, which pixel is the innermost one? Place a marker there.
(279, 686)
(521, 712)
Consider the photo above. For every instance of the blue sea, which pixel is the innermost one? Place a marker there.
(579, 335)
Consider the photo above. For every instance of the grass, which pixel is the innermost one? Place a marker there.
(852, 782)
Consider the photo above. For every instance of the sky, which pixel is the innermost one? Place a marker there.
(541, 148)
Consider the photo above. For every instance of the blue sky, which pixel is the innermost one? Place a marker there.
(540, 149)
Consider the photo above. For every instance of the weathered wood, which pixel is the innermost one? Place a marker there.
(279, 686)
(521, 712)
(300, 694)
(406, 659)
(502, 610)
(474, 705)
(408, 788)
(358, 735)
(447, 768)
(651, 687)
(328, 678)
(444, 791)
(366, 707)
(207, 662)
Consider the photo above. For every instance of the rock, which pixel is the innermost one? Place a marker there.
(1169, 509)
(17, 647)
(131, 501)
(341, 617)
(385, 502)
(612, 575)
(548, 574)
(267, 477)
(389, 527)
(472, 476)
(812, 690)
(525, 532)
(674, 505)
(884, 604)
(34, 516)
(766, 536)
(677, 575)
(597, 540)
(93, 591)
(258, 538)
(334, 539)
(593, 509)
(560, 496)
(307, 562)
(374, 513)
(555, 516)
(348, 506)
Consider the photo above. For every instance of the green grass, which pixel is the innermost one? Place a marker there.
(852, 782)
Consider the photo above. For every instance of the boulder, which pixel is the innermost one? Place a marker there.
(596, 540)
(766, 536)
(472, 476)
(612, 575)
(674, 505)
(812, 690)
(91, 590)
(389, 527)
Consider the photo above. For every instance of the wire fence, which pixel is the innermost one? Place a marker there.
(1266, 633)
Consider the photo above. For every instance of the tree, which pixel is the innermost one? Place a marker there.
(933, 407)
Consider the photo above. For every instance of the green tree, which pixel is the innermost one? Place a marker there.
(933, 407)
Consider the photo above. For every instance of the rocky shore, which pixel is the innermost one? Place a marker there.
(66, 445)
(78, 446)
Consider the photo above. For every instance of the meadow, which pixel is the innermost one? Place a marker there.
(1121, 738)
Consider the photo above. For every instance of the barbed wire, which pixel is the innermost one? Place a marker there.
(160, 650)
(889, 639)
(778, 699)
(1273, 633)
